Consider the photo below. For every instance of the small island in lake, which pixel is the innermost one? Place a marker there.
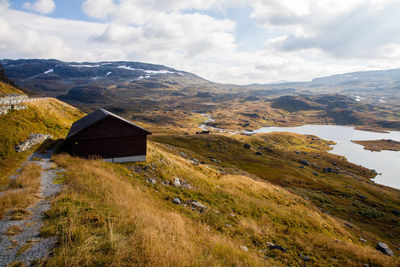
(379, 145)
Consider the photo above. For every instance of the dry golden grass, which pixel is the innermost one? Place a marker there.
(122, 225)
(109, 215)
(6, 89)
(22, 190)
(62, 112)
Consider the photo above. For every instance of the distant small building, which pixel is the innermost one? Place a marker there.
(108, 136)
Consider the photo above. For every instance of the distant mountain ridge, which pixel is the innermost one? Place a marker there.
(90, 82)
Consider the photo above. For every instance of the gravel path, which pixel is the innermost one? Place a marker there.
(28, 246)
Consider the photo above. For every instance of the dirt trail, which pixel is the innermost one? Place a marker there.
(27, 246)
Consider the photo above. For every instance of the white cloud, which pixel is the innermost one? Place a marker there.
(342, 28)
(41, 6)
(304, 38)
(99, 9)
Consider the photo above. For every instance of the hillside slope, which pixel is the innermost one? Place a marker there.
(124, 214)
(46, 116)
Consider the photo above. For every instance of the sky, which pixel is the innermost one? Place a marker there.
(227, 41)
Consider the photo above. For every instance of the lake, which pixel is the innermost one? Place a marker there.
(385, 163)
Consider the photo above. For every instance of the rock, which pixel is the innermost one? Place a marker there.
(33, 140)
(183, 154)
(213, 160)
(334, 163)
(273, 246)
(382, 247)
(316, 174)
(244, 248)
(298, 152)
(176, 201)
(177, 182)
(361, 196)
(327, 170)
(198, 205)
(305, 258)
(304, 162)
(362, 240)
(396, 212)
(258, 153)
(349, 225)
(247, 146)
(153, 181)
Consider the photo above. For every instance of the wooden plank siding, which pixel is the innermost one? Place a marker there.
(107, 136)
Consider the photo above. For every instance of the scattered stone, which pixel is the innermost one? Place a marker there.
(258, 153)
(273, 246)
(245, 248)
(382, 247)
(247, 146)
(153, 181)
(305, 258)
(306, 198)
(362, 240)
(177, 182)
(33, 140)
(198, 205)
(361, 196)
(349, 225)
(304, 162)
(232, 214)
(213, 160)
(396, 212)
(298, 152)
(176, 201)
(183, 154)
(365, 265)
(316, 174)
(334, 163)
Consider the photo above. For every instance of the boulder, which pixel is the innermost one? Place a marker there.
(304, 162)
(382, 247)
(396, 212)
(273, 246)
(361, 196)
(176, 201)
(198, 205)
(177, 182)
(305, 258)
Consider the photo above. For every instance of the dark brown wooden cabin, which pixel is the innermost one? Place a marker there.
(108, 136)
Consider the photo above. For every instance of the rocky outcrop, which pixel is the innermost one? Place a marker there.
(33, 140)
(5, 109)
(382, 247)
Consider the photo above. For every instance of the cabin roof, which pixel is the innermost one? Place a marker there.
(96, 116)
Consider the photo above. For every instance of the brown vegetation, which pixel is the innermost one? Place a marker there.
(379, 145)
(21, 192)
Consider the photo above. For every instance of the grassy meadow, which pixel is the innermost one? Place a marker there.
(123, 214)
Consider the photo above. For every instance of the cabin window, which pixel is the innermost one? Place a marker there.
(76, 143)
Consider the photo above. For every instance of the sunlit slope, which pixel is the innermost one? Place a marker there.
(47, 116)
(6, 89)
(123, 214)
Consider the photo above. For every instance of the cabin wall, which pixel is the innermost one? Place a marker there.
(117, 147)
